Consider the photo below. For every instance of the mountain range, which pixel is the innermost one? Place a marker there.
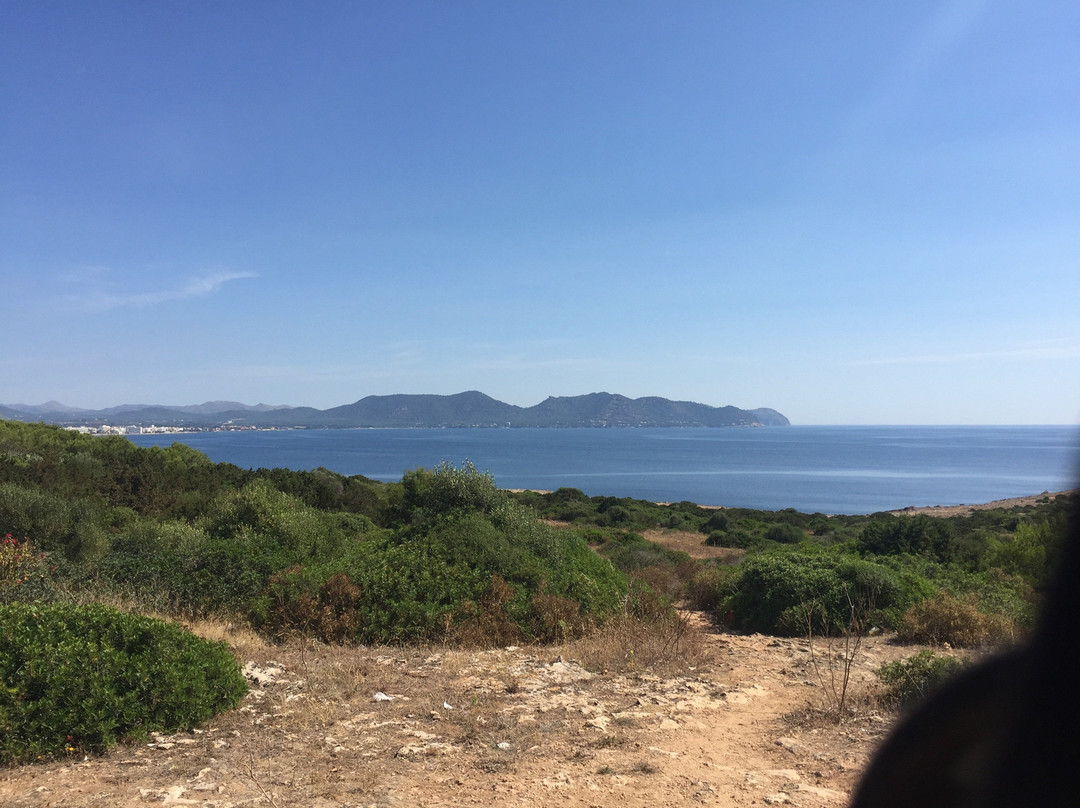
(469, 409)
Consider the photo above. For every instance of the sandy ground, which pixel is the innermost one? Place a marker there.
(965, 510)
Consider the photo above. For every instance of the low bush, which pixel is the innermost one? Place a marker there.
(485, 623)
(918, 535)
(296, 602)
(556, 619)
(704, 589)
(738, 537)
(630, 645)
(488, 576)
(83, 678)
(912, 679)
(958, 622)
(631, 551)
(717, 521)
(24, 572)
(716, 538)
(778, 592)
(784, 533)
(77, 529)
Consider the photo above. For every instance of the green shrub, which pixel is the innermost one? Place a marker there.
(997, 591)
(678, 521)
(958, 622)
(571, 512)
(704, 590)
(776, 592)
(912, 679)
(717, 538)
(784, 533)
(631, 551)
(447, 488)
(82, 678)
(918, 535)
(226, 559)
(744, 539)
(77, 528)
(1024, 553)
(718, 520)
(424, 582)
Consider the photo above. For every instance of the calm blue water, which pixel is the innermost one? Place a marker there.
(828, 469)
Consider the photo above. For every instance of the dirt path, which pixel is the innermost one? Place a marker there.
(505, 727)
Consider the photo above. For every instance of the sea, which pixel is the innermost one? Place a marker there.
(814, 469)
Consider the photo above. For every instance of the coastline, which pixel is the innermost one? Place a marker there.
(967, 510)
(911, 510)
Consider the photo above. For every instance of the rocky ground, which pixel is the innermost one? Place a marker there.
(329, 726)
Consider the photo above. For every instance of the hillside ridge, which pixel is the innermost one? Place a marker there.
(467, 409)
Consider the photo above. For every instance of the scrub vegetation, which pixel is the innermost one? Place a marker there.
(81, 678)
(965, 581)
(342, 559)
(442, 556)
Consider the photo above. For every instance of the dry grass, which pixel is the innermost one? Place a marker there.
(667, 645)
(944, 619)
(244, 642)
(863, 706)
(693, 544)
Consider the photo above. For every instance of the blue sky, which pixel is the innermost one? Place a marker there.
(851, 212)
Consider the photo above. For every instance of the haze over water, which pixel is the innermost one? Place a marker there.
(828, 469)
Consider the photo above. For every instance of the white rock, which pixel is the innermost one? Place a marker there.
(262, 676)
(785, 774)
(423, 736)
(789, 744)
(824, 793)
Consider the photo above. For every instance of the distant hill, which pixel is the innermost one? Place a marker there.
(469, 409)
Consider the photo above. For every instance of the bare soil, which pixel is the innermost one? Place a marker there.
(336, 726)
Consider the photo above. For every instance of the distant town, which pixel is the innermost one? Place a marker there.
(135, 429)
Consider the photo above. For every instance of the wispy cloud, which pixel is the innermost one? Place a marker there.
(197, 286)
